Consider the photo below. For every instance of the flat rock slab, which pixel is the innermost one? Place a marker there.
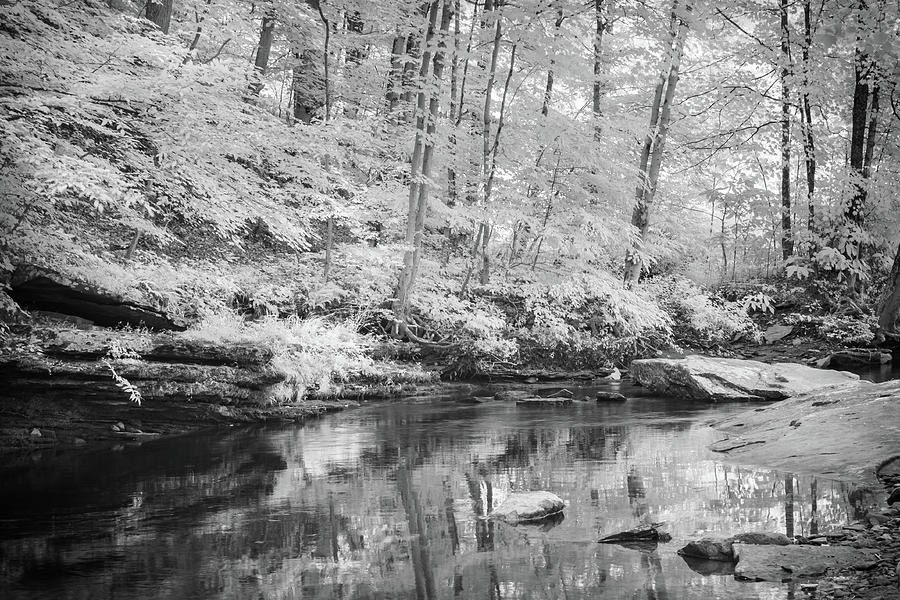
(525, 507)
(784, 563)
(538, 401)
(729, 379)
(842, 433)
(610, 397)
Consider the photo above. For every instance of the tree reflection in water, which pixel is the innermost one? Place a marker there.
(391, 502)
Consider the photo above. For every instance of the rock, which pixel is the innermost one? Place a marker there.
(761, 539)
(722, 379)
(44, 289)
(120, 426)
(539, 401)
(523, 507)
(709, 549)
(783, 563)
(10, 311)
(777, 332)
(35, 432)
(714, 548)
(476, 399)
(115, 427)
(852, 358)
(709, 567)
(894, 497)
(610, 397)
(132, 429)
(563, 393)
(846, 432)
(513, 395)
(79, 441)
(642, 533)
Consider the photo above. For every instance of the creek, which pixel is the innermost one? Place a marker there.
(388, 501)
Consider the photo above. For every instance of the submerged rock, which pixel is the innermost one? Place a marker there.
(722, 379)
(512, 395)
(784, 563)
(524, 507)
(539, 401)
(610, 397)
(562, 393)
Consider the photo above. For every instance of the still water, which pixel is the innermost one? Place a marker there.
(387, 501)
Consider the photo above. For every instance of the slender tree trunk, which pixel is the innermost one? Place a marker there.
(652, 153)
(787, 238)
(329, 244)
(456, 99)
(423, 148)
(160, 12)
(809, 142)
(263, 50)
(548, 88)
(490, 11)
(327, 63)
(600, 29)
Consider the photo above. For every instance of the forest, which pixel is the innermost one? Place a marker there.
(484, 185)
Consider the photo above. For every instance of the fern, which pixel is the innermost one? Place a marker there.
(123, 384)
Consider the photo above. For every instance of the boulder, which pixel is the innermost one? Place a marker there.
(562, 393)
(717, 548)
(524, 507)
(840, 433)
(610, 397)
(785, 563)
(539, 401)
(42, 289)
(724, 379)
(709, 549)
(10, 311)
(776, 333)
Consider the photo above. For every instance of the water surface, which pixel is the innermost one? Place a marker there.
(387, 501)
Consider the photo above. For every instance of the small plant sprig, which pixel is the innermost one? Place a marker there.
(117, 351)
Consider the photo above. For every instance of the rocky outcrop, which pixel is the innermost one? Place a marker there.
(844, 432)
(524, 507)
(727, 379)
(38, 288)
(852, 358)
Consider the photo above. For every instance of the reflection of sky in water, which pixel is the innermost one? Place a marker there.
(388, 502)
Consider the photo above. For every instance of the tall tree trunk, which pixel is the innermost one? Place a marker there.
(491, 11)
(809, 142)
(864, 126)
(329, 245)
(600, 29)
(787, 238)
(420, 168)
(263, 50)
(327, 63)
(652, 153)
(548, 88)
(455, 103)
(160, 12)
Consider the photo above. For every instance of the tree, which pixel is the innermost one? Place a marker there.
(160, 12)
(652, 152)
(787, 238)
(421, 161)
(263, 50)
